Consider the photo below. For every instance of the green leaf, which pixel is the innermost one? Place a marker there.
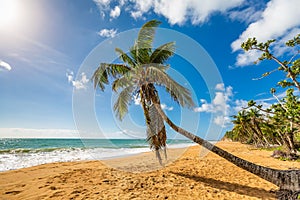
(251, 103)
(179, 93)
(102, 74)
(273, 90)
(123, 101)
(125, 58)
(163, 53)
(146, 34)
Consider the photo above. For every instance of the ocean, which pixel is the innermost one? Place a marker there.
(21, 153)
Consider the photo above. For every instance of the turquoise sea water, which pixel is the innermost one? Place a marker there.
(20, 153)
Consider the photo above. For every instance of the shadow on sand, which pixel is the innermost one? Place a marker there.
(231, 187)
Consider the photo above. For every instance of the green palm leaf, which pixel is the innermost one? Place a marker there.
(125, 58)
(102, 74)
(124, 81)
(146, 34)
(163, 53)
(143, 45)
(140, 56)
(123, 101)
(179, 93)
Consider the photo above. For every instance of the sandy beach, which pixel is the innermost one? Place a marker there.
(187, 175)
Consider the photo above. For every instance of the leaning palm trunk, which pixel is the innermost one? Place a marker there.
(288, 181)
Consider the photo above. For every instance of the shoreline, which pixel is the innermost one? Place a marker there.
(175, 151)
(191, 176)
(11, 159)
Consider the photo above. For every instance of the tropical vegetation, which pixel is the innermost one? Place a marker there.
(142, 71)
(278, 124)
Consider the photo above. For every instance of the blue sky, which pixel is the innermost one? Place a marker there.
(49, 48)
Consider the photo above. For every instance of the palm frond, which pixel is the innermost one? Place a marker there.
(146, 34)
(163, 53)
(123, 101)
(125, 58)
(142, 48)
(124, 81)
(133, 54)
(104, 71)
(179, 93)
(139, 55)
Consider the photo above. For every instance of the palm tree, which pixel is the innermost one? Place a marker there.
(142, 70)
(240, 131)
(255, 119)
(243, 127)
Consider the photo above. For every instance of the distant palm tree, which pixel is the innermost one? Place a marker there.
(241, 128)
(256, 124)
(143, 69)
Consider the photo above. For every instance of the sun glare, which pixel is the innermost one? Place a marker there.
(9, 12)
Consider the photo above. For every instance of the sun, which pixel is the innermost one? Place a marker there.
(9, 13)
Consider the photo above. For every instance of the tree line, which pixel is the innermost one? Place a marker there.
(278, 124)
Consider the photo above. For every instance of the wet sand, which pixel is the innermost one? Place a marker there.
(188, 174)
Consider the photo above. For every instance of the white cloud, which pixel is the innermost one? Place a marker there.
(165, 107)
(77, 84)
(175, 11)
(5, 65)
(220, 86)
(203, 101)
(141, 7)
(102, 2)
(115, 13)
(122, 2)
(222, 105)
(179, 11)
(220, 102)
(279, 17)
(205, 107)
(267, 102)
(109, 33)
(248, 12)
(246, 58)
(222, 121)
(247, 15)
(280, 47)
(81, 84)
(240, 104)
(103, 6)
(70, 76)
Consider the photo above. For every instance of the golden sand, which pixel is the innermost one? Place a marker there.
(191, 176)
